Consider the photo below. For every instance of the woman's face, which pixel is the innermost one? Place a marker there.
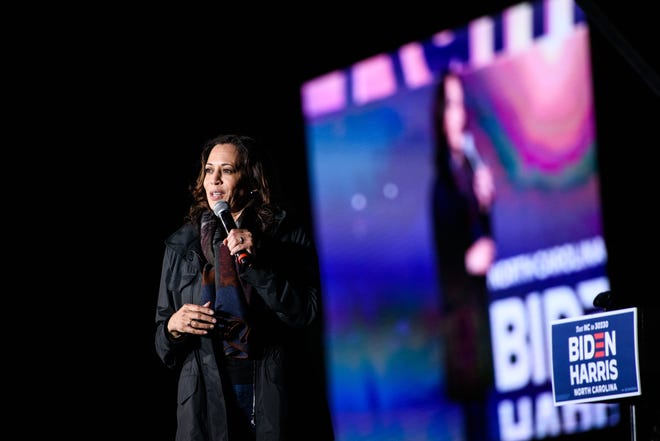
(455, 116)
(221, 177)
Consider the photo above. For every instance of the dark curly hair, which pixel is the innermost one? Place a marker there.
(257, 188)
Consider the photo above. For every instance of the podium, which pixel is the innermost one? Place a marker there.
(609, 356)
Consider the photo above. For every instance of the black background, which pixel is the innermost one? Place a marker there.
(130, 94)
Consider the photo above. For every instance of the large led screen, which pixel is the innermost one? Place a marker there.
(429, 335)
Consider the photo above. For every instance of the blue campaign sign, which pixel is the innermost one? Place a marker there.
(595, 357)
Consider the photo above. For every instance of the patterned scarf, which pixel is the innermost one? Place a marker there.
(222, 286)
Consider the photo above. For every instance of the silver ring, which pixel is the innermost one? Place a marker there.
(242, 239)
(190, 324)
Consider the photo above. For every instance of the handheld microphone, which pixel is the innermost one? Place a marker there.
(221, 209)
(470, 151)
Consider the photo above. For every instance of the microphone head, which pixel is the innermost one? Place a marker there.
(470, 151)
(220, 207)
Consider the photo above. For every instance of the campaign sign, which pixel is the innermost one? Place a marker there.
(594, 357)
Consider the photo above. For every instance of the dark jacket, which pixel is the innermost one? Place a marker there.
(290, 389)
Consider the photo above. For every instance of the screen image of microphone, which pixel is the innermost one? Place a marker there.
(221, 209)
(470, 151)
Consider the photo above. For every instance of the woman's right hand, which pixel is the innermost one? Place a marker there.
(480, 256)
(192, 319)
